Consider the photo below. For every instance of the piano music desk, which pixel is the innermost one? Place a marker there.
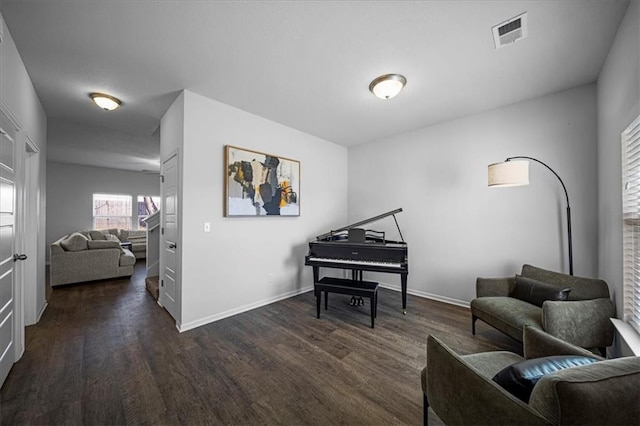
(350, 287)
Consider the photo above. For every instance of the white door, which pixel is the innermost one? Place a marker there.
(7, 246)
(169, 278)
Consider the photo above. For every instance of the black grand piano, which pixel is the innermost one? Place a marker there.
(359, 249)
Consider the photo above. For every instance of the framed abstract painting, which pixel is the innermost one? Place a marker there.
(260, 184)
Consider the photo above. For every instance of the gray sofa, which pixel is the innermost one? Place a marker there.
(575, 309)
(87, 256)
(461, 389)
(138, 240)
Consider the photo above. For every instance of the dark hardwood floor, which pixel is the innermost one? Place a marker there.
(106, 353)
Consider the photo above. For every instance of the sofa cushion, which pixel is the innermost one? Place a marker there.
(111, 237)
(111, 231)
(140, 234)
(74, 242)
(124, 235)
(102, 244)
(520, 378)
(536, 292)
(97, 235)
(595, 389)
(507, 314)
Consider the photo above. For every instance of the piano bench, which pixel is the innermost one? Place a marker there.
(350, 287)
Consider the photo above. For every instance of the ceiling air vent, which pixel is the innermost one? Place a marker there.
(510, 31)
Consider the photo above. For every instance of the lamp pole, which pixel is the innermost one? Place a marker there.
(568, 207)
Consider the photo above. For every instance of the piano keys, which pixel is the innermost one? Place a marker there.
(360, 250)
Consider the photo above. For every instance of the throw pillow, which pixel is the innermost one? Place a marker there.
(111, 237)
(102, 244)
(519, 379)
(536, 292)
(74, 242)
(97, 235)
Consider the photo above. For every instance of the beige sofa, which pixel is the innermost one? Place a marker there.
(138, 240)
(89, 255)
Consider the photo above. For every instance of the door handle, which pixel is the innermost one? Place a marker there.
(172, 245)
(17, 257)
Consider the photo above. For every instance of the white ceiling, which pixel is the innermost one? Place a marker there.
(305, 64)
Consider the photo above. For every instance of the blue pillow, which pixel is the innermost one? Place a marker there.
(520, 378)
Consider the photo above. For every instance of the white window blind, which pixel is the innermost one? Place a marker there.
(112, 211)
(631, 222)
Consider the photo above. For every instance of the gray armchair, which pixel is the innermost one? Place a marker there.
(460, 389)
(578, 312)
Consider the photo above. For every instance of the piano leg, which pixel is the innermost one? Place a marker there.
(317, 292)
(356, 275)
(403, 279)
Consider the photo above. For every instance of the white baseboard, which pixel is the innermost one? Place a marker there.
(42, 311)
(217, 317)
(426, 295)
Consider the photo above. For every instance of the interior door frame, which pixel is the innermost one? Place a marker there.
(18, 301)
(29, 233)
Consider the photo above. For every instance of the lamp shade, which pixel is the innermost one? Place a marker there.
(106, 102)
(387, 86)
(509, 173)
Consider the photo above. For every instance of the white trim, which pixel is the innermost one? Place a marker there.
(217, 317)
(30, 229)
(426, 295)
(7, 111)
(628, 334)
(31, 144)
(213, 318)
(42, 310)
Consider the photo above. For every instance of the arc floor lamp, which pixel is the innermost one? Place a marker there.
(516, 173)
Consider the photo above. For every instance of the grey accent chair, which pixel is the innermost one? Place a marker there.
(460, 389)
(583, 319)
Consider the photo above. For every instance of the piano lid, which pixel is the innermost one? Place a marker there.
(364, 222)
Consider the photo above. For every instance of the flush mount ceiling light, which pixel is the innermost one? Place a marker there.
(387, 86)
(105, 102)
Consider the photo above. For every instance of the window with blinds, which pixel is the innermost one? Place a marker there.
(111, 211)
(631, 222)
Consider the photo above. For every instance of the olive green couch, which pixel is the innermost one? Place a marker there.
(582, 319)
(460, 389)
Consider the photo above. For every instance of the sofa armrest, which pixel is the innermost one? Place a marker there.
(56, 248)
(491, 287)
(459, 394)
(584, 323)
(538, 343)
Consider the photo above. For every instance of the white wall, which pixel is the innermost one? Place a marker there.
(227, 270)
(618, 105)
(70, 190)
(20, 99)
(456, 227)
